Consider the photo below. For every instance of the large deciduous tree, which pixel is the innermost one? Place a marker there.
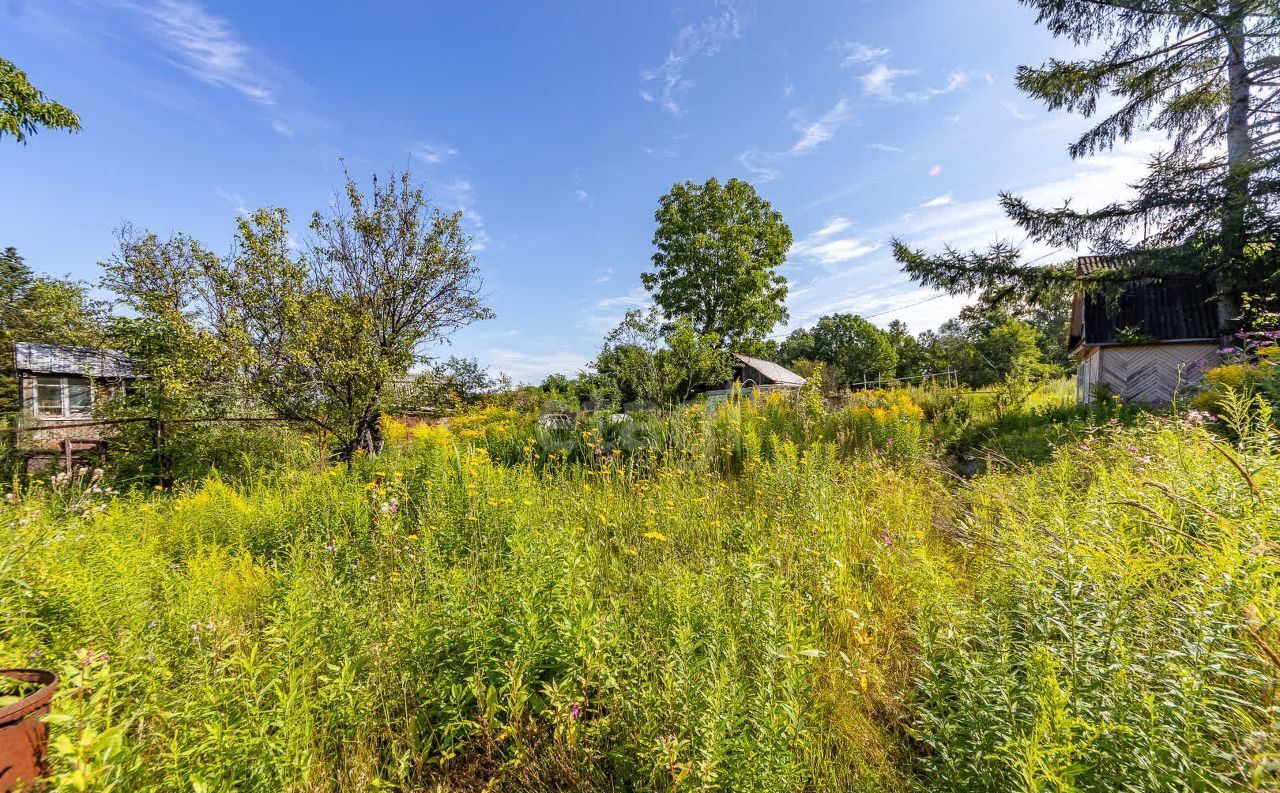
(24, 109)
(1204, 72)
(718, 251)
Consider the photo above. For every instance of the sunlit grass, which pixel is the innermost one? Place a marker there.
(768, 596)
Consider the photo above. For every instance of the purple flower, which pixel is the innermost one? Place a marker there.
(575, 712)
(887, 539)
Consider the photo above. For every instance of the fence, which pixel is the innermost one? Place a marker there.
(66, 446)
(950, 379)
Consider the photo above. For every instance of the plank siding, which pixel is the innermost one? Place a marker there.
(1150, 374)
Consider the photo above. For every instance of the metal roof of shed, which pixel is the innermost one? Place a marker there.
(82, 361)
(775, 373)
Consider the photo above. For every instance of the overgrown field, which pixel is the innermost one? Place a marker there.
(772, 597)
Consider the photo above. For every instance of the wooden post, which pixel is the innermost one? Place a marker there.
(158, 455)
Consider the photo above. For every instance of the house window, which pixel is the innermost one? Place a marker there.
(63, 397)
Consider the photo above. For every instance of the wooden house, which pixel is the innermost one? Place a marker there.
(1150, 344)
(61, 390)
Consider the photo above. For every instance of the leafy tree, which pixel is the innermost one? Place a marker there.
(912, 361)
(630, 357)
(465, 379)
(643, 363)
(1204, 72)
(41, 310)
(692, 361)
(318, 337)
(853, 346)
(718, 250)
(24, 109)
(796, 346)
(1012, 348)
(45, 310)
(385, 277)
(191, 365)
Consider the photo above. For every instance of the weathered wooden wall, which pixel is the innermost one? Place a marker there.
(1151, 374)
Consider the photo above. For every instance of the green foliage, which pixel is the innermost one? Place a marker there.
(1203, 74)
(1118, 632)
(191, 368)
(320, 337)
(41, 310)
(24, 109)
(643, 362)
(853, 347)
(764, 596)
(692, 360)
(718, 250)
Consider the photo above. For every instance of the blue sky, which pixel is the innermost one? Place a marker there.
(555, 127)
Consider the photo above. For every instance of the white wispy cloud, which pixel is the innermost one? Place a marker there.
(939, 201)
(234, 199)
(666, 154)
(884, 147)
(583, 197)
(835, 225)
(1014, 110)
(872, 283)
(826, 246)
(206, 47)
(524, 367)
(955, 81)
(892, 297)
(432, 153)
(855, 52)
(761, 164)
(878, 82)
(283, 128)
(604, 315)
(818, 132)
(667, 84)
(460, 194)
(764, 165)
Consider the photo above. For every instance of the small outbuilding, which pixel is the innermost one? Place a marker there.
(1150, 344)
(759, 375)
(61, 389)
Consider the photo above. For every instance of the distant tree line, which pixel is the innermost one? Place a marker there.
(981, 346)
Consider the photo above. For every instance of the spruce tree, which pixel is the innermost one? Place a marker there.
(1204, 72)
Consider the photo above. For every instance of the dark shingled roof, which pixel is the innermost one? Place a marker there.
(83, 361)
(1171, 309)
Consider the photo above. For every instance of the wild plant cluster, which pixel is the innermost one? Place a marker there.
(765, 595)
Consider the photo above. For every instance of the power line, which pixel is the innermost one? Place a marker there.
(909, 305)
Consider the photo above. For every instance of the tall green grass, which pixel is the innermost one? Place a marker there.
(716, 613)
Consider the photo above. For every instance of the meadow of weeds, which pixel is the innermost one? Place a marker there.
(767, 595)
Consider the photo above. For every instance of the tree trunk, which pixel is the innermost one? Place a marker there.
(1239, 163)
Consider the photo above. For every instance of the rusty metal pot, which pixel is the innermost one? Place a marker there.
(23, 735)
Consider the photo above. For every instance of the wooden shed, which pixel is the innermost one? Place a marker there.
(758, 375)
(61, 388)
(1148, 345)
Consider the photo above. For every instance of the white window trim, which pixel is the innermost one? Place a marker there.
(64, 390)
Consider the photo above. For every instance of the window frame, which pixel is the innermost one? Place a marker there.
(64, 383)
